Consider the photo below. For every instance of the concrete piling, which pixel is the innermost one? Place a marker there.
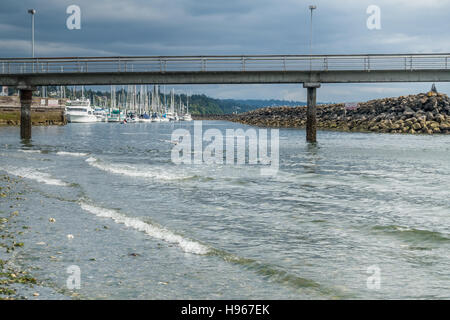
(311, 113)
(25, 113)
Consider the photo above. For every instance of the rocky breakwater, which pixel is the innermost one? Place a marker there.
(425, 113)
(228, 117)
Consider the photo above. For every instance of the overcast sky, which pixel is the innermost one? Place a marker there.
(203, 27)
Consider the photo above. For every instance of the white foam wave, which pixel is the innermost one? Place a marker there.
(72, 154)
(152, 230)
(30, 151)
(38, 176)
(135, 171)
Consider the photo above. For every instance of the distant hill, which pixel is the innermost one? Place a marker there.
(203, 105)
(258, 103)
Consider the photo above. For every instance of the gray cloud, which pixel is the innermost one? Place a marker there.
(201, 27)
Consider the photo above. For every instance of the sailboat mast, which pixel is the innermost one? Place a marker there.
(165, 101)
(172, 101)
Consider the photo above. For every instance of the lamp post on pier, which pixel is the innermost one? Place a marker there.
(32, 12)
(311, 86)
(26, 93)
(311, 8)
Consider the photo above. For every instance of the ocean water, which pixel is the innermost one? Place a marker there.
(357, 216)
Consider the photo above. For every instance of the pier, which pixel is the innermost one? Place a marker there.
(310, 70)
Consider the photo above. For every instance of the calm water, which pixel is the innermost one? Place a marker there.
(146, 228)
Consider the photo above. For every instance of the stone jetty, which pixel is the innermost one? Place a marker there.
(425, 113)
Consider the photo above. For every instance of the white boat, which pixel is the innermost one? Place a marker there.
(80, 111)
(116, 116)
(187, 116)
(164, 119)
(100, 114)
(132, 118)
(170, 116)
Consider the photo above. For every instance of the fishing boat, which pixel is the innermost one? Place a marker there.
(80, 111)
(116, 116)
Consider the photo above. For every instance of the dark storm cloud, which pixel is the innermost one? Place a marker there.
(201, 27)
(214, 27)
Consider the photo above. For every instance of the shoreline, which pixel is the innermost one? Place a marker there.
(14, 282)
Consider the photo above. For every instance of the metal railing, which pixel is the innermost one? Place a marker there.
(162, 64)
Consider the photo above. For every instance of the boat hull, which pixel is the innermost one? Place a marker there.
(72, 118)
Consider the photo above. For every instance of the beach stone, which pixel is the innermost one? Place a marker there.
(416, 126)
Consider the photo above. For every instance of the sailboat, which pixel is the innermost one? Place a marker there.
(116, 115)
(143, 106)
(163, 110)
(170, 115)
(187, 116)
(154, 105)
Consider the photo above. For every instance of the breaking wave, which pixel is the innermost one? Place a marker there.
(72, 154)
(135, 171)
(156, 231)
(151, 229)
(30, 151)
(38, 176)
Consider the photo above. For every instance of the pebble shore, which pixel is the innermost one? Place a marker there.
(13, 280)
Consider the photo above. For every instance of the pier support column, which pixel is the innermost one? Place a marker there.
(25, 113)
(311, 121)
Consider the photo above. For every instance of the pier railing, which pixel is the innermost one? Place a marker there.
(162, 64)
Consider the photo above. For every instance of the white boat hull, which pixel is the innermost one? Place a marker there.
(73, 118)
(101, 119)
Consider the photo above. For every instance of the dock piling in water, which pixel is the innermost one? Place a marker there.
(311, 113)
(26, 96)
